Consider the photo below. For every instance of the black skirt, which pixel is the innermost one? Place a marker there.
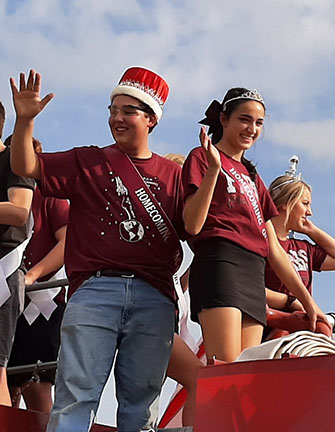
(224, 274)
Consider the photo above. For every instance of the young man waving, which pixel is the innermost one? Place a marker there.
(121, 252)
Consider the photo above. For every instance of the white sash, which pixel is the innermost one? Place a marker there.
(182, 303)
(11, 262)
(248, 189)
(42, 302)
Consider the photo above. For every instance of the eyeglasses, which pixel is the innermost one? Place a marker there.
(126, 110)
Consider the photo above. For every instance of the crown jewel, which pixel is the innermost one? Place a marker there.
(291, 172)
(248, 95)
(145, 88)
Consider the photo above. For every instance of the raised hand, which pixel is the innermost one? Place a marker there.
(27, 101)
(212, 153)
(307, 227)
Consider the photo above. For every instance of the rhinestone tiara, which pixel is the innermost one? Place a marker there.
(248, 95)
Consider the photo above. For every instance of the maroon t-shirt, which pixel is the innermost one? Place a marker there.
(50, 214)
(230, 215)
(105, 229)
(305, 258)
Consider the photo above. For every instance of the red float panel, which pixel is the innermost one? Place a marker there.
(20, 420)
(282, 395)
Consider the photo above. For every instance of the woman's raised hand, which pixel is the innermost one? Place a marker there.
(212, 153)
(27, 101)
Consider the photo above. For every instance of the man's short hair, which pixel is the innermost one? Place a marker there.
(149, 111)
(2, 118)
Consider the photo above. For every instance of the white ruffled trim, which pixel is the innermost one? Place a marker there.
(138, 94)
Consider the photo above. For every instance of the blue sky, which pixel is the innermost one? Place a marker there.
(283, 48)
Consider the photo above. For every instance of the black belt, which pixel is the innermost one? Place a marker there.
(115, 273)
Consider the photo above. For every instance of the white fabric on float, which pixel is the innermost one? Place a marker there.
(303, 344)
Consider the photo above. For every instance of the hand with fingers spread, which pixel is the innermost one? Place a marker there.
(27, 101)
(212, 153)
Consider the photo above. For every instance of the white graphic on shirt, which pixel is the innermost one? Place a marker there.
(251, 183)
(299, 259)
(248, 189)
(151, 182)
(230, 182)
(130, 229)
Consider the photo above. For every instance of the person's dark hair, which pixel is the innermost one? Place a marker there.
(227, 107)
(36, 143)
(2, 118)
(146, 108)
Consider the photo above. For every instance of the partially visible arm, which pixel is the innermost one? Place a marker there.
(184, 280)
(328, 264)
(15, 211)
(281, 264)
(278, 300)
(51, 262)
(24, 160)
(28, 104)
(320, 237)
(197, 205)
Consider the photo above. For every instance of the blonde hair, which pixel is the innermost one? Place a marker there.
(287, 190)
(175, 157)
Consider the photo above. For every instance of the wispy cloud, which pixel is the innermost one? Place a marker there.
(285, 49)
(278, 46)
(315, 138)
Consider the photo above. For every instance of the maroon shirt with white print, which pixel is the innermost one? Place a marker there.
(305, 257)
(230, 215)
(105, 231)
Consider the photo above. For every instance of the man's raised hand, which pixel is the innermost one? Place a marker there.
(27, 100)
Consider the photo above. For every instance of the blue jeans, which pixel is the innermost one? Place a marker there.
(104, 316)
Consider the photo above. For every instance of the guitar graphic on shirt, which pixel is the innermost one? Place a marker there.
(130, 229)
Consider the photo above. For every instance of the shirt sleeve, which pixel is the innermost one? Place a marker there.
(317, 255)
(194, 169)
(58, 174)
(58, 213)
(14, 180)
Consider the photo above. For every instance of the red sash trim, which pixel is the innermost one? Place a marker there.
(152, 213)
(247, 190)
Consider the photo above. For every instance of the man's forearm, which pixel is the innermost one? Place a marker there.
(24, 161)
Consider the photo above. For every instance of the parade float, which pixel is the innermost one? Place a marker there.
(285, 384)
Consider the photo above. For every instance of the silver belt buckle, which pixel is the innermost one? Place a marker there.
(127, 276)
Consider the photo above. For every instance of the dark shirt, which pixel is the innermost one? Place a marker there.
(11, 236)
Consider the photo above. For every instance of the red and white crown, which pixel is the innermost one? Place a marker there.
(144, 85)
